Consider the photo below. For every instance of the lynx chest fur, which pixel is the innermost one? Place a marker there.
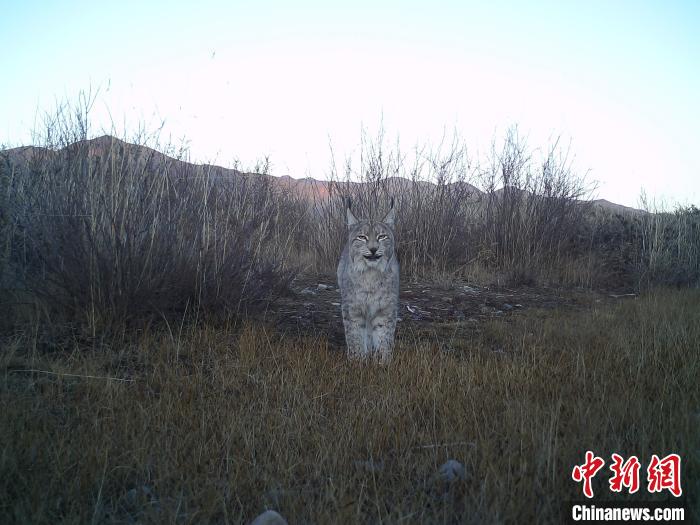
(368, 277)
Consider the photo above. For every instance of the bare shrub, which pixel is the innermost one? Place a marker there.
(647, 247)
(531, 212)
(525, 219)
(6, 184)
(431, 190)
(104, 229)
(107, 232)
(668, 246)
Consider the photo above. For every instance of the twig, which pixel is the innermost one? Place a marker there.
(73, 375)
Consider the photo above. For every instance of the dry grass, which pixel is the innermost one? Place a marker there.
(216, 424)
(118, 403)
(517, 210)
(102, 233)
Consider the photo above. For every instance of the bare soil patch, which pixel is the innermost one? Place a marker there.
(427, 310)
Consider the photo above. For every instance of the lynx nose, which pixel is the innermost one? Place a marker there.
(373, 250)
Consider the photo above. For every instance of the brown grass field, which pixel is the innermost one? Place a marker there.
(168, 356)
(214, 424)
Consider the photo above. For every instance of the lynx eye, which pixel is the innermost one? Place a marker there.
(362, 238)
(381, 237)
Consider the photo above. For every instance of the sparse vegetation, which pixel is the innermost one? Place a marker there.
(519, 217)
(213, 425)
(102, 233)
(144, 377)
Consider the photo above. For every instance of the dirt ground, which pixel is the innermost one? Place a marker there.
(427, 310)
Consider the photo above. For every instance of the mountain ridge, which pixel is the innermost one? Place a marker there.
(307, 187)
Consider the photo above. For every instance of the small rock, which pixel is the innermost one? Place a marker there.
(324, 287)
(487, 309)
(507, 306)
(335, 304)
(518, 305)
(308, 291)
(452, 470)
(269, 517)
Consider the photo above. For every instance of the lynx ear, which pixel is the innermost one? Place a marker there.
(352, 220)
(389, 219)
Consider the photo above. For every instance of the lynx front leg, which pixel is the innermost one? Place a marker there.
(383, 329)
(356, 337)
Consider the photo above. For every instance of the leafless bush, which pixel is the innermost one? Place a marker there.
(646, 247)
(108, 232)
(531, 212)
(6, 183)
(524, 219)
(431, 190)
(668, 246)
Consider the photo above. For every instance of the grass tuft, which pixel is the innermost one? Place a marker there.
(219, 423)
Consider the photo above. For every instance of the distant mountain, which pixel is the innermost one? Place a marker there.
(606, 205)
(99, 146)
(307, 187)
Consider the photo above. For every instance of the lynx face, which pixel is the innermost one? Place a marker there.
(371, 243)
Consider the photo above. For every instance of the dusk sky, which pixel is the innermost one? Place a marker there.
(620, 80)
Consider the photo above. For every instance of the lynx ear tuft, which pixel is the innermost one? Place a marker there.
(351, 217)
(389, 219)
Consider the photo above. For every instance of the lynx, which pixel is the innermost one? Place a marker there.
(368, 278)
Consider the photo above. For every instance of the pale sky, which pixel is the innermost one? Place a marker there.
(248, 79)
